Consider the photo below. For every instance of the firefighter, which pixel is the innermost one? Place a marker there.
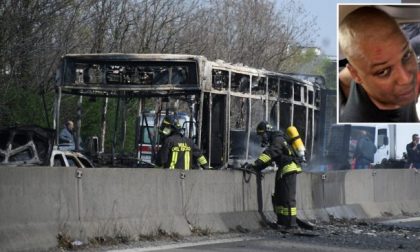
(177, 151)
(279, 151)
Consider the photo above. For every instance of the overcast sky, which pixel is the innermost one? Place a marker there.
(326, 13)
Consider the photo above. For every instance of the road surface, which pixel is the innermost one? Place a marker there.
(337, 235)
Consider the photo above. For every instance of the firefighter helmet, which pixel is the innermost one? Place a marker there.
(263, 130)
(169, 125)
(264, 127)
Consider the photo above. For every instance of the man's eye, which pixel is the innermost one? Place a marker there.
(383, 73)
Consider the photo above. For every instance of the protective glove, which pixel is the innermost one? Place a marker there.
(249, 167)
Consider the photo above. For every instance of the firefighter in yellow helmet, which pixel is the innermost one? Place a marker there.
(279, 151)
(177, 151)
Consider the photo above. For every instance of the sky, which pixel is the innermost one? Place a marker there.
(325, 12)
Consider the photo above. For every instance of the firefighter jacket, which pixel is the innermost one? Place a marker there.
(179, 152)
(280, 152)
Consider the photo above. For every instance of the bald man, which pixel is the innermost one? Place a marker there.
(382, 66)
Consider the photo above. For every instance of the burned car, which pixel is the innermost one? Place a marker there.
(34, 145)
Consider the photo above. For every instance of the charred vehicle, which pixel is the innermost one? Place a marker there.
(26, 145)
(33, 145)
(223, 102)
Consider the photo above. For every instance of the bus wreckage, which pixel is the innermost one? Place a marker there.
(219, 103)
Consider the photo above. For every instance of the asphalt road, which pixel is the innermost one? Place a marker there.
(337, 235)
(245, 245)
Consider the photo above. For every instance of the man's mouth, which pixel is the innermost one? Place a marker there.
(406, 94)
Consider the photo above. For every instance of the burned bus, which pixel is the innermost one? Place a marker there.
(221, 103)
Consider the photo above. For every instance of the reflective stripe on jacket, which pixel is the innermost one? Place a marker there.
(183, 149)
(279, 152)
(178, 152)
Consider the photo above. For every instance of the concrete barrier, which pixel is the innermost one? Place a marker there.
(358, 194)
(38, 203)
(34, 205)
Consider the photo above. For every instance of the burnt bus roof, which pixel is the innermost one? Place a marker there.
(135, 75)
(240, 68)
(116, 74)
(132, 57)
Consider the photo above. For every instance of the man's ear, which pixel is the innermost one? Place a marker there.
(353, 73)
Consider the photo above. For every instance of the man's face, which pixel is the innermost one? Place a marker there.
(70, 126)
(264, 139)
(387, 71)
(416, 140)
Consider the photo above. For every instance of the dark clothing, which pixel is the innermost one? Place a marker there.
(413, 154)
(67, 140)
(278, 151)
(365, 151)
(66, 136)
(178, 152)
(359, 108)
(284, 198)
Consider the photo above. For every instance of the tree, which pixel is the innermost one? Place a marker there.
(255, 33)
(311, 61)
(28, 56)
(34, 34)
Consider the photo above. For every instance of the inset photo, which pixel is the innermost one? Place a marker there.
(378, 63)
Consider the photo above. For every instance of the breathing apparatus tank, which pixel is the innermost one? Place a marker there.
(296, 142)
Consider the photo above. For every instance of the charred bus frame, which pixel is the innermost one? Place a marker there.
(226, 100)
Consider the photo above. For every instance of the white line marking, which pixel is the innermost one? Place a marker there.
(184, 245)
(401, 220)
